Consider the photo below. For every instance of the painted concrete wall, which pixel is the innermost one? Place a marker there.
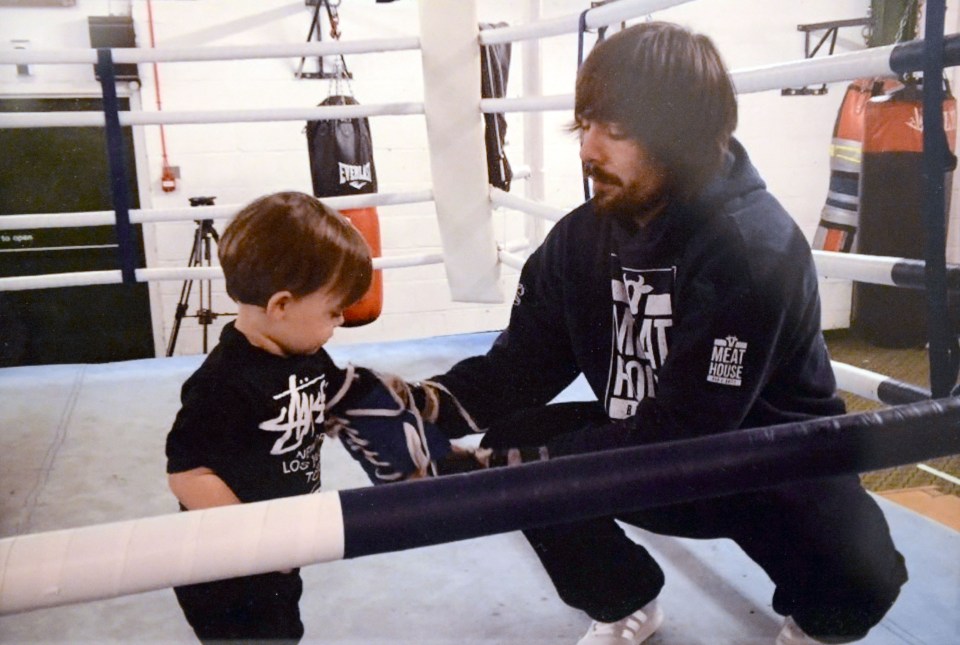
(787, 137)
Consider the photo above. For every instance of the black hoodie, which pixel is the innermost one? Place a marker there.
(705, 320)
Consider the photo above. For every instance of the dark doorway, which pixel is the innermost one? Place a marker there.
(54, 170)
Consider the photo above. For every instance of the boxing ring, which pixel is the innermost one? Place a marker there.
(469, 522)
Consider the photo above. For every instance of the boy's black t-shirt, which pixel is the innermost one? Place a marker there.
(255, 419)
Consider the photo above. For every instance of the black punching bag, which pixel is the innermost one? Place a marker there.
(891, 213)
(341, 154)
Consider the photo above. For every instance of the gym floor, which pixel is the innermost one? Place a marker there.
(83, 444)
(908, 364)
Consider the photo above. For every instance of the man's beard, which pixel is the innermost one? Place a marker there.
(629, 204)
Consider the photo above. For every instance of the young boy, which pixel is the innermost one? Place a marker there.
(253, 415)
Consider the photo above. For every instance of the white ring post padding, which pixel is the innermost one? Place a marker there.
(511, 259)
(598, 17)
(502, 198)
(874, 269)
(187, 213)
(227, 52)
(451, 79)
(121, 558)
(858, 381)
(96, 119)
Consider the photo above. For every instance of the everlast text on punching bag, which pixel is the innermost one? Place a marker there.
(341, 163)
(891, 217)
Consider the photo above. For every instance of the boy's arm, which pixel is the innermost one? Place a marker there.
(201, 488)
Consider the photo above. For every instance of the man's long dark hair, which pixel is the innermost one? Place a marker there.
(669, 90)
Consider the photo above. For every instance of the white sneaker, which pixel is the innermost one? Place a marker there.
(791, 634)
(632, 630)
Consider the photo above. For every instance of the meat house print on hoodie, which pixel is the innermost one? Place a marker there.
(642, 317)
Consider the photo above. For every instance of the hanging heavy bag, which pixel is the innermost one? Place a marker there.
(891, 213)
(341, 163)
(840, 215)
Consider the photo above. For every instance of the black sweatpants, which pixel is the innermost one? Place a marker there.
(253, 609)
(824, 543)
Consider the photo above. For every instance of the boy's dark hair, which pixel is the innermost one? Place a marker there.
(292, 242)
(668, 88)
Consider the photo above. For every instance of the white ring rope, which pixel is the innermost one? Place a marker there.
(121, 558)
(857, 380)
(187, 213)
(556, 102)
(160, 274)
(873, 269)
(209, 53)
(808, 71)
(167, 117)
(838, 67)
(516, 245)
(512, 260)
(400, 261)
(502, 198)
(939, 473)
(146, 55)
(59, 220)
(861, 268)
(597, 17)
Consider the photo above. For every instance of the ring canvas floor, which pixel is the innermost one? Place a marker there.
(83, 444)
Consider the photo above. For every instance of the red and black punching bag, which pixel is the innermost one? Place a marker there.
(341, 163)
(840, 215)
(891, 212)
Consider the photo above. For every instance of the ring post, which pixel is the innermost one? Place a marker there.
(943, 346)
(450, 55)
(118, 169)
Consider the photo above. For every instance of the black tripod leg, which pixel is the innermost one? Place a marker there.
(206, 314)
(184, 301)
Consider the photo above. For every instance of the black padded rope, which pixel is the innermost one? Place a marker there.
(118, 168)
(912, 274)
(457, 507)
(894, 392)
(909, 57)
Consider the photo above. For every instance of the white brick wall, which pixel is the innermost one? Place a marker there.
(787, 137)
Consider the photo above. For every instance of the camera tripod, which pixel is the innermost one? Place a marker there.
(200, 255)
